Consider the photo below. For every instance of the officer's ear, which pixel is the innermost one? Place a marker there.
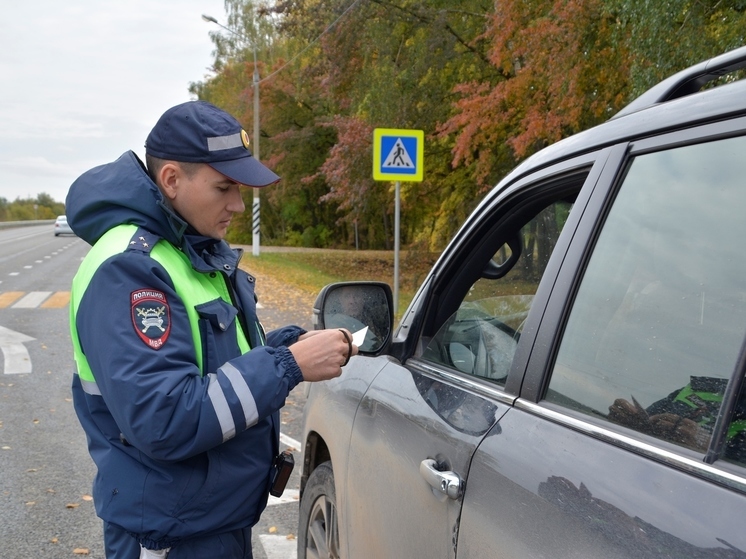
(168, 179)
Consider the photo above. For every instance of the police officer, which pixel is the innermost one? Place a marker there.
(177, 386)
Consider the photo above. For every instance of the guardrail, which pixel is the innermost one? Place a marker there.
(10, 224)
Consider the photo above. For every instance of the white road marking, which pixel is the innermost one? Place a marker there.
(32, 300)
(17, 359)
(288, 496)
(287, 441)
(279, 547)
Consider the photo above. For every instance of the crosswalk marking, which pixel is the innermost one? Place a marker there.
(34, 299)
(58, 300)
(9, 297)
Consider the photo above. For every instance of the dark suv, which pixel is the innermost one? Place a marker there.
(568, 380)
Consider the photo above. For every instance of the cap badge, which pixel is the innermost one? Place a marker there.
(245, 138)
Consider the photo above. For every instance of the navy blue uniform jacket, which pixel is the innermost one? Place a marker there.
(180, 454)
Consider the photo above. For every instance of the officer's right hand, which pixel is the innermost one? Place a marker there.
(322, 355)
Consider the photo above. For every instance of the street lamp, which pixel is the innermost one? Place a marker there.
(255, 150)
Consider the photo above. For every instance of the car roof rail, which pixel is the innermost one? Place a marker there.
(688, 81)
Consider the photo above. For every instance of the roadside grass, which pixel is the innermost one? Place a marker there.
(310, 270)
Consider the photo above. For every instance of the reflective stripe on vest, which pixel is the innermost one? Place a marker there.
(194, 288)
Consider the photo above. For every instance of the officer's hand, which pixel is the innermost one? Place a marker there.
(321, 355)
(309, 334)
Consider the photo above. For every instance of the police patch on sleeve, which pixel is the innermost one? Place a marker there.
(151, 317)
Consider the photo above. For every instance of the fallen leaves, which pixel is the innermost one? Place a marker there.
(76, 505)
(76, 551)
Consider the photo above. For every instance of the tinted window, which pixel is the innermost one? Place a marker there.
(481, 337)
(659, 318)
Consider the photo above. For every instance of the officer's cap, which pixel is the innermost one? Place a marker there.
(198, 132)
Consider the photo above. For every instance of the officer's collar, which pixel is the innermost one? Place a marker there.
(208, 254)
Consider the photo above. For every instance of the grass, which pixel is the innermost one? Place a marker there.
(311, 270)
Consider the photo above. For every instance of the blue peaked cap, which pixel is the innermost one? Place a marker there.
(199, 132)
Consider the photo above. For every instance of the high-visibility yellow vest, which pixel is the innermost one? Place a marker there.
(193, 287)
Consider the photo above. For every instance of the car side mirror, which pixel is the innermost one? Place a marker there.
(355, 305)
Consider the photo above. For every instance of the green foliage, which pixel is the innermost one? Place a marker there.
(41, 207)
(669, 35)
(490, 83)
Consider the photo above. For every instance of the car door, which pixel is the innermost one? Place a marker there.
(627, 438)
(420, 421)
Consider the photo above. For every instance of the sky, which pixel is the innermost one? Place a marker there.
(83, 81)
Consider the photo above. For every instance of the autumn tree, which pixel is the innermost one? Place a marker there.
(559, 72)
(490, 83)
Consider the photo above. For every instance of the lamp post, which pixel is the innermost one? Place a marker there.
(255, 151)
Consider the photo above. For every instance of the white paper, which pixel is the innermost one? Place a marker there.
(359, 337)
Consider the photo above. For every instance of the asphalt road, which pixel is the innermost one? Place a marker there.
(46, 511)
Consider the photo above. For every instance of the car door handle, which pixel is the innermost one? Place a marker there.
(445, 484)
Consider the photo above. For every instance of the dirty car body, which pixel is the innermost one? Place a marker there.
(568, 380)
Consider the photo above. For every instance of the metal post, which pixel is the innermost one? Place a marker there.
(396, 249)
(255, 147)
(255, 207)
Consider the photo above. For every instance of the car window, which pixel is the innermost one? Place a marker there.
(659, 318)
(481, 337)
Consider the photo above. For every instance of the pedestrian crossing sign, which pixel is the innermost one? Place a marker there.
(398, 155)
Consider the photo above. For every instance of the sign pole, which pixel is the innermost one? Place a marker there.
(396, 247)
(255, 235)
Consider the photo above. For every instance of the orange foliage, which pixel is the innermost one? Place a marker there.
(347, 169)
(558, 70)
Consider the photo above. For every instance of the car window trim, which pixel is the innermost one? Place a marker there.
(463, 381)
(678, 457)
(698, 135)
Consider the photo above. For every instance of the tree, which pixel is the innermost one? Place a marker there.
(559, 72)
(338, 68)
(669, 35)
(41, 207)
(490, 83)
